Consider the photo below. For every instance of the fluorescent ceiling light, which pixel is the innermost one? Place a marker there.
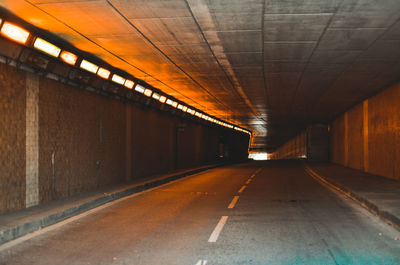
(118, 79)
(139, 88)
(103, 73)
(129, 84)
(156, 96)
(46, 47)
(15, 33)
(148, 92)
(68, 57)
(88, 66)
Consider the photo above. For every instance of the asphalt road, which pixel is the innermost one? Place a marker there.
(282, 216)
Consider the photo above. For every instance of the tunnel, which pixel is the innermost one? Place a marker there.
(200, 132)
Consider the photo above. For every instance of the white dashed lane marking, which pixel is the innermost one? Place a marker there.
(242, 189)
(233, 202)
(215, 234)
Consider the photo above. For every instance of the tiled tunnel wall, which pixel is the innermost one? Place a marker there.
(85, 140)
(12, 138)
(367, 137)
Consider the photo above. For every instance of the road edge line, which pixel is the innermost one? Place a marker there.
(366, 204)
(23, 229)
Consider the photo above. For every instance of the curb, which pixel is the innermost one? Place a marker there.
(370, 206)
(26, 228)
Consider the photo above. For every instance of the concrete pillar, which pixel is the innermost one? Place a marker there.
(365, 134)
(128, 142)
(318, 143)
(346, 139)
(32, 140)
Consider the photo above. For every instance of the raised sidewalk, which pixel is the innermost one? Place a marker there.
(378, 194)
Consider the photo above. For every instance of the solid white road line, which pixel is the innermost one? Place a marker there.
(215, 234)
(201, 262)
(233, 202)
(242, 189)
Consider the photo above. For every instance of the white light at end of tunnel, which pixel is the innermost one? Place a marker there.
(258, 156)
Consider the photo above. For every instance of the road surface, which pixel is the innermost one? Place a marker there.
(255, 213)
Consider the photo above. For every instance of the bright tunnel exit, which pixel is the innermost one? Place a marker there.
(258, 156)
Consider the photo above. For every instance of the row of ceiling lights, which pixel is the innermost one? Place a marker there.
(22, 36)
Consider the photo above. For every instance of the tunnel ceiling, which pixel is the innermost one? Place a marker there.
(271, 66)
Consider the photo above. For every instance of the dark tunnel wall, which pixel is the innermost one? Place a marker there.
(312, 144)
(58, 140)
(12, 139)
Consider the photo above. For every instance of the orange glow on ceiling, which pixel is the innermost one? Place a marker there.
(103, 32)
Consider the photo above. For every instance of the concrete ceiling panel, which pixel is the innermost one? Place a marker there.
(187, 50)
(126, 45)
(279, 67)
(349, 39)
(383, 50)
(241, 41)
(334, 56)
(294, 27)
(393, 32)
(90, 18)
(301, 6)
(293, 51)
(170, 31)
(282, 89)
(245, 59)
(371, 19)
(152, 8)
(367, 14)
(235, 6)
(237, 21)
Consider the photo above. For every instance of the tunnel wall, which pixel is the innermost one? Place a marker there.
(292, 149)
(12, 139)
(58, 140)
(312, 144)
(367, 137)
